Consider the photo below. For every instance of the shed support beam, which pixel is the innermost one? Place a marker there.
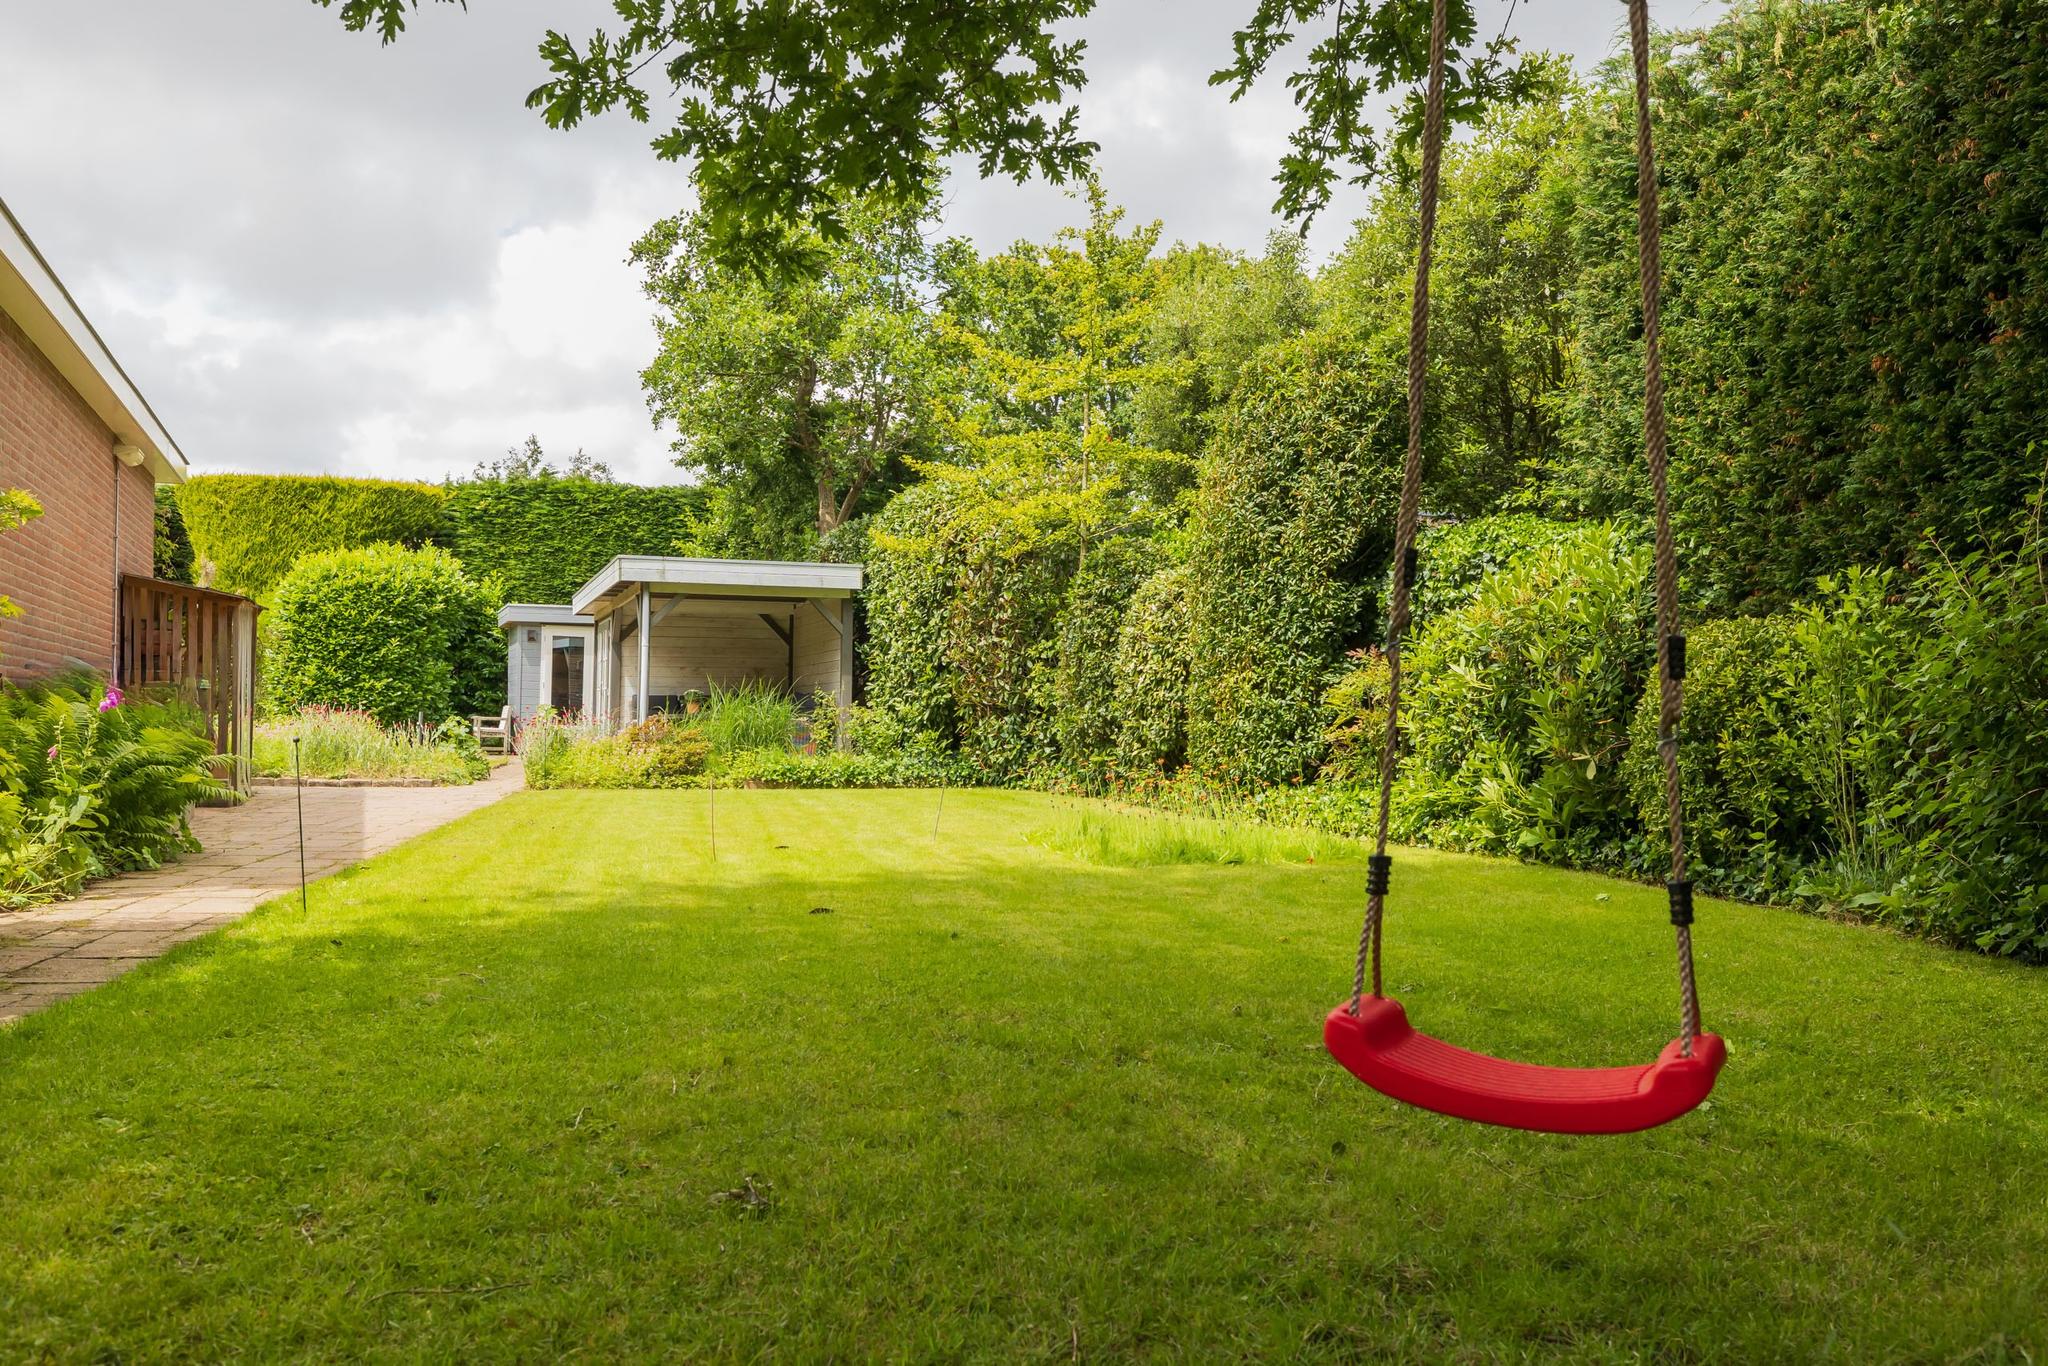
(646, 604)
(841, 738)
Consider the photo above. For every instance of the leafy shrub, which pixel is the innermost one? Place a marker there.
(92, 785)
(1939, 799)
(352, 744)
(248, 530)
(173, 556)
(400, 634)
(1356, 711)
(543, 537)
(909, 592)
(1452, 560)
(1149, 701)
(750, 716)
(1291, 529)
(1518, 706)
(16, 509)
(1752, 818)
(1860, 341)
(768, 768)
(1085, 677)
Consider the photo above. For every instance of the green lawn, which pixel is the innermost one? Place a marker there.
(551, 1080)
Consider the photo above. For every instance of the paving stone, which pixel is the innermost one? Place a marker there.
(126, 944)
(11, 959)
(70, 968)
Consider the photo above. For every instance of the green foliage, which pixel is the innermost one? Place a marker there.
(1453, 560)
(1355, 731)
(542, 537)
(1149, 699)
(1216, 311)
(767, 768)
(1292, 526)
(1752, 817)
(1085, 678)
(1940, 787)
(1053, 344)
(1517, 711)
(248, 530)
(16, 509)
(354, 744)
(403, 635)
(173, 546)
(799, 390)
(1857, 280)
(90, 785)
(1500, 326)
(748, 717)
(909, 588)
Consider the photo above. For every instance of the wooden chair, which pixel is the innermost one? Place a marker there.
(493, 733)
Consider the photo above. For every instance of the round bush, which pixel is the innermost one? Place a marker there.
(1517, 705)
(1751, 814)
(401, 634)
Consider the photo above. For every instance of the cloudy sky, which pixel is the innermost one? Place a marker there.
(317, 255)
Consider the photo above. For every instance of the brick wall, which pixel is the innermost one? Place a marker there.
(60, 569)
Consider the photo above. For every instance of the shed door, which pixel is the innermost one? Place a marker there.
(565, 668)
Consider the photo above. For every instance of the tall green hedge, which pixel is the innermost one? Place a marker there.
(1291, 532)
(543, 538)
(1150, 698)
(1856, 300)
(248, 530)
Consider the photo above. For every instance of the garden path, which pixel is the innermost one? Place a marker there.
(249, 855)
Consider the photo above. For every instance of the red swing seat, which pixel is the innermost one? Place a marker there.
(1381, 1049)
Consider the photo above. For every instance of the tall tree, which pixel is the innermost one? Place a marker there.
(786, 109)
(819, 381)
(1053, 340)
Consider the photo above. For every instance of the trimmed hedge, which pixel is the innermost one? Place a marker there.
(173, 556)
(543, 538)
(248, 530)
(401, 634)
(1752, 818)
(1085, 679)
(1292, 530)
(1150, 701)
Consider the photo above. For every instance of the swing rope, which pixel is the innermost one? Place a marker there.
(1670, 643)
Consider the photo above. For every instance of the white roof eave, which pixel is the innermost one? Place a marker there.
(792, 579)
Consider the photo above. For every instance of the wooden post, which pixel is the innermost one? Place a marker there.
(646, 630)
(841, 739)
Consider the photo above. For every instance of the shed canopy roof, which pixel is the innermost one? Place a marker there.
(540, 614)
(763, 580)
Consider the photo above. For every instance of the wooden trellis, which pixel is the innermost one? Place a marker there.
(201, 644)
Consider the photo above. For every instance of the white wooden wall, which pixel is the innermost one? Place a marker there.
(692, 651)
(817, 652)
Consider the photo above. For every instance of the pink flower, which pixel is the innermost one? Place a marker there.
(50, 753)
(111, 700)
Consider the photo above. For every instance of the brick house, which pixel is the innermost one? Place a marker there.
(77, 434)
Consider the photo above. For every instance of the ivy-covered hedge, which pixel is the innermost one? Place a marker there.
(248, 530)
(1149, 701)
(1292, 528)
(1856, 312)
(1752, 818)
(1085, 679)
(402, 634)
(543, 538)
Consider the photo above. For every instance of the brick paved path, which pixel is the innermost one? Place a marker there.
(250, 855)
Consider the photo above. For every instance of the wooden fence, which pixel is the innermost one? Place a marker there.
(202, 645)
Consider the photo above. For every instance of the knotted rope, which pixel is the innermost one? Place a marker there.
(1670, 645)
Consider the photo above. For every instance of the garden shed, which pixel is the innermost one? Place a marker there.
(647, 632)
